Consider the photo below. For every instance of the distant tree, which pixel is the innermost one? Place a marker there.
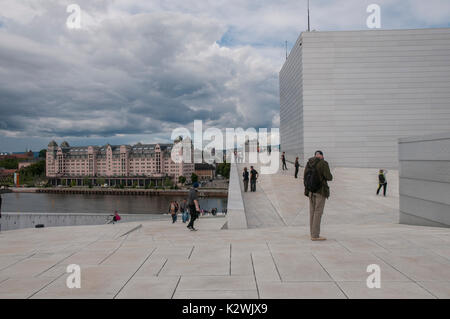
(73, 183)
(168, 182)
(101, 181)
(182, 179)
(9, 163)
(33, 172)
(226, 170)
(42, 153)
(223, 169)
(194, 178)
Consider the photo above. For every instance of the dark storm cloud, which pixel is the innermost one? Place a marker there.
(144, 67)
(139, 74)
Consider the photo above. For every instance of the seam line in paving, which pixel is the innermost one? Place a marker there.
(417, 283)
(134, 273)
(337, 241)
(56, 264)
(332, 279)
(387, 263)
(192, 250)
(176, 287)
(114, 250)
(130, 231)
(379, 245)
(230, 259)
(162, 267)
(435, 253)
(254, 275)
(18, 261)
(2, 281)
(45, 286)
(68, 257)
(273, 259)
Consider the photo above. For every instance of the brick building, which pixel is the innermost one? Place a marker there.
(115, 164)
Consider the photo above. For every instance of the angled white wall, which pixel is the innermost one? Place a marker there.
(291, 102)
(361, 91)
(424, 179)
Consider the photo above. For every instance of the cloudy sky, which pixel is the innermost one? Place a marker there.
(138, 69)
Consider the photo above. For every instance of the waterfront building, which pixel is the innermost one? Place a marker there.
(205, 171)
(353, 94)
(139, 164)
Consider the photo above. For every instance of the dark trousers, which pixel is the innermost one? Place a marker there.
(253, 185)
(174, 218)
(284, 166)
(193, 214)
(296, 172)
(246, 185)
(384, 188)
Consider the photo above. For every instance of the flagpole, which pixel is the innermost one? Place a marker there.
(309, 26)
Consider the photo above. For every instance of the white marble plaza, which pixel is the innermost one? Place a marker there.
(273, 258)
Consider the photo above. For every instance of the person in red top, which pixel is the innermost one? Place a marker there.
(116, 217)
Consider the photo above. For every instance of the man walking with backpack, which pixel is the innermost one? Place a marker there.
(317, 173)
(194, 207)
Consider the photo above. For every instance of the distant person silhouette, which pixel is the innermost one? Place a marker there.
(283, 160)
(245, 179)
(382, 181)
(297, 166)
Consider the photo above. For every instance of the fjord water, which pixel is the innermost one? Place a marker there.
(97, 204)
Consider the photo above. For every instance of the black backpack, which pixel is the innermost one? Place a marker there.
(312, 179)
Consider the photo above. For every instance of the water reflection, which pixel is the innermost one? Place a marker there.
(97, 204)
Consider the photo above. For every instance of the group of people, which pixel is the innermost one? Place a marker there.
(284, 166)
(175, 207)
(251, 176)
(189, 208)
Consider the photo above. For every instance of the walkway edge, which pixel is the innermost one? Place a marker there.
(235, 207)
